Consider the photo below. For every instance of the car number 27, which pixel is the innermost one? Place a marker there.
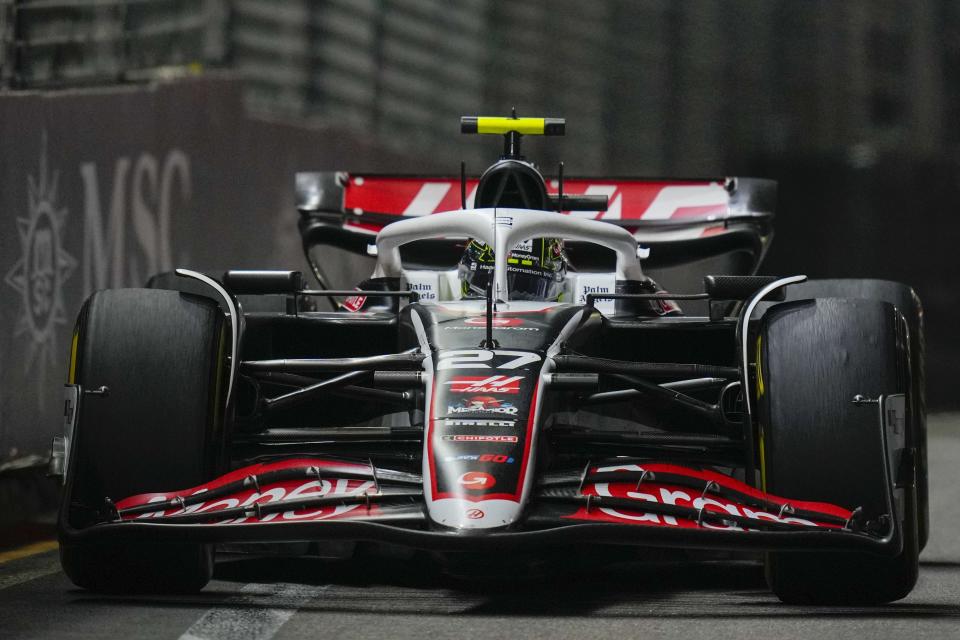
(480, 359)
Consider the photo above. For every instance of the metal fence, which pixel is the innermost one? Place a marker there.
(655, 87)
(401, 71)
(404, 70)
(391, 68)
(61, 43)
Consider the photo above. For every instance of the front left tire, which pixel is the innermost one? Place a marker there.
(161, 355)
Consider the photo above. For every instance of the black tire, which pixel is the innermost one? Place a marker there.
(271, 303)
(814, 357)
(160, 428)
(906, 300)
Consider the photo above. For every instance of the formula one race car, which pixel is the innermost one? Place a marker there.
(509, 380)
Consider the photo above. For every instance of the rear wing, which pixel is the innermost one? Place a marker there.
(679, 220)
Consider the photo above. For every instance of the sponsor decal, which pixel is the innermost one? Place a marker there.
(672, 496)
(481, 321)
(487, 438)
(424, 284)
(477, 480)
(526, 246)
(472, 422)
(596, 283)
(479, 328)
(145, 194)
(489, 384)
(354, 303)
(679, 496)
(38, 276)
(475, 514)
(483, 404)
(122, 243)
(280, 492)
(480, 359)
(587, 289)
(425, 291)
(667, 306)
(485, 457)
(628, 199)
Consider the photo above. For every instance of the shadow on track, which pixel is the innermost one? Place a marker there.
(674, 588)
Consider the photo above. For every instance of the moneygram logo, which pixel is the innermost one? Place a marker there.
(483, 404)
(38, 276)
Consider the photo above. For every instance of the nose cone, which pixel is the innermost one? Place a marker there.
(479, 440)
(466, 514)
(483, 410)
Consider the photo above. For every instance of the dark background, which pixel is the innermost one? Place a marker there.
(852, 106)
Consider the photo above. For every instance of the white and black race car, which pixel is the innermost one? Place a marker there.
(509, 380)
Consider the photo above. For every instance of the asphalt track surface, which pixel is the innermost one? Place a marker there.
(287, 598)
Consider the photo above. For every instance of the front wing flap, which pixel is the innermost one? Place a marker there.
(631, 503)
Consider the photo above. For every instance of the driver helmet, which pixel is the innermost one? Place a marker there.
(535, 270)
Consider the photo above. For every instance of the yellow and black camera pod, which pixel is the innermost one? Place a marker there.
(503, 126)
(512, 128)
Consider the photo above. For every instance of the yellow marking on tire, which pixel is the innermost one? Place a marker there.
(759, 369)
(218, 385)
(760, 391)
(72, 373)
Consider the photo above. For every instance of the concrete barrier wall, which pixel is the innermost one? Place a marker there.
(101, 188)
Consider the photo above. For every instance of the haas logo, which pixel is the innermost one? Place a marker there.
(488, 384)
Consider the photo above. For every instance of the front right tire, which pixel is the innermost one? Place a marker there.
(907, 302)
(814, 356)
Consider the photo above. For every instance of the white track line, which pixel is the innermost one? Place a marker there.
(25, 571)
(272, 606)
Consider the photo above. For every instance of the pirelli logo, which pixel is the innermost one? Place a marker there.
(473, 422)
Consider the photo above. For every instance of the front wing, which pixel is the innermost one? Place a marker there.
(644, 503)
